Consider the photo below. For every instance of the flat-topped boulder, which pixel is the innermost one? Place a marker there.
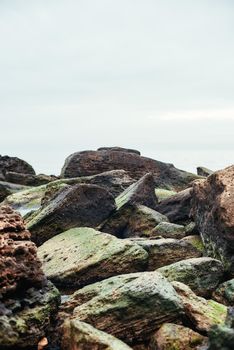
(75, 206)
(87, 163)
(213, 212)
(14, 164)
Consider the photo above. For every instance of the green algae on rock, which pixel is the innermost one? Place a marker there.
(81, 335)
(169, 230)
(81, 256)
(225, 293)
(202, 275)
(129, 306)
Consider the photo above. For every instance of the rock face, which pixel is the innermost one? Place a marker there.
(80, 205)
(225, 293)
(27, 300)
(202, 275)
(14, 164)
(81, 335)
(169, 230)
(82, 256)
(201, 312)
(213, 212)
(177, 208)
(129, 307)
(93, 162)
(173, 336)
(166, 251)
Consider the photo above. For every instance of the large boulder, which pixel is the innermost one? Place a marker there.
(79, 205)
(81, 335)
(81, 256)
(14, 164)
(202, 275)
(177, 208)
(129, 307)
(93, 162)
(213, 212)
(28, 302)
(166, 251)
(28, 179)
(202, 313)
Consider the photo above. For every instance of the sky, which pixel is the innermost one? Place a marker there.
(154, 75)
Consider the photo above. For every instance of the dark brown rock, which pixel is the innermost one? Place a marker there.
(14, 164)
(76, 206)
(202, 171)
(93, 162)
(119, 149)
(177, 208)
(28, 179)
(213, 212)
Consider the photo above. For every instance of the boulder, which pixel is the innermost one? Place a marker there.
(166, 251)
(93, 162)
(28, 179)
(81, 335)
(28, 302)
(14, 164)
(169, 230)
(177, 208)
(162, 193)
(202, 171)
(225, 293)
(201, 312)
(129, 307)
(173, 336)
(79, 205)
(119, 149)
(213, 212)
(81, 256)
(202, 275)
(196, 242)
(7, 188)
(221, 337)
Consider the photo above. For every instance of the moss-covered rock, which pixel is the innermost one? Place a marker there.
(81, 256)
(202, 275)
(221, 337)
(162, 193)
(201, 312)
(175, 337)
(196, 242)
(225, 293)
(129, 307)
(166, 251)
(81, 335)
(169, 230)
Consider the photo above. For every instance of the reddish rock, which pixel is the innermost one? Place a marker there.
(14, 164)
(213, 212)
(93, 162)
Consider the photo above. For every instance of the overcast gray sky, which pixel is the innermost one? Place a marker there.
(155, 75)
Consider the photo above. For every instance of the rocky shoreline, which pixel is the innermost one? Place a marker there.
(118, 252)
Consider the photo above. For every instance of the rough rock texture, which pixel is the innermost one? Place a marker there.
(222, 336)
(93, 162)
(196, 242)
(129, 307)
(81, 256)
(81, 335)
(166, 251)
(162, 193)
(177, 208)
(28, 179)
(202, 275)
(79, 205)
(202, 171)
(14, 164)
(4, 192)
(201, 312)
(119, 149)
(175, 337)
(27, 300)
(7, 188)
(213, 211)
(169, 230)
(225, 293)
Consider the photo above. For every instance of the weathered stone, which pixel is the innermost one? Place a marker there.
(166, 251)
(119, 149)
(81, 335)
(81, 256)
(7, 188)
(201, 312)
(221, 337)
(202, 171)
(213, 212)
(28, 179)
(129, 307)
(177, 208)
(175, 337)
(93, 162)
(79, 205)
(225, 293)
(202, 275)
(162, 193)
(27, 300)
(196, 242)
(169, 230)
(14, 164)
